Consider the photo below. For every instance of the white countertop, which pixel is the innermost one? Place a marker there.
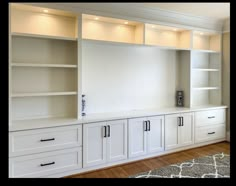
(57, 122)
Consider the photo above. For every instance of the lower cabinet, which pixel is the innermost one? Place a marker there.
(104, 142)
(44, 164)
(146, 135)
(178, 130)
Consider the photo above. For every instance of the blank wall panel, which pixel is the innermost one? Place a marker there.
(120, 78)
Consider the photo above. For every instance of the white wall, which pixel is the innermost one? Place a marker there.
(122, 77)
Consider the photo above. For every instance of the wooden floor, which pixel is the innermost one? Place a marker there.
(125, 170)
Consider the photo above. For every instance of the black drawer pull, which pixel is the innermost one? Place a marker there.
(211, 133)
(211, 117)
(51, 139)
(45, 164)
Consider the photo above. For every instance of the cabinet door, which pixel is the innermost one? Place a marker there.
(186, 130)
(117, 140)
(155, 135)
(171, 131)
(94, 144)
(137, 137)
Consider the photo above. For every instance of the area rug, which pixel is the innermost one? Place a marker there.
(213, 166)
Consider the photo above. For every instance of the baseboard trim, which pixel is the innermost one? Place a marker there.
(228, 136)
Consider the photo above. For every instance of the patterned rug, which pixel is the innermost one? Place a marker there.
(213, 166)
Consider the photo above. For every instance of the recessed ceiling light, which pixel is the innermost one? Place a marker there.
(45, 10)
(175, 29)
(201, 33)
(153, 26)
(96, 18)
(126, 22)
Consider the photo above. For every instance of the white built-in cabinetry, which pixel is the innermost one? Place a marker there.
(146, 135)
(179, 130)
(128, 70)
(104, 142)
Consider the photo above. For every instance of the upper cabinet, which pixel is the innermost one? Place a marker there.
(167, 36)
(207, 41)
(43, 22)
(110, 29)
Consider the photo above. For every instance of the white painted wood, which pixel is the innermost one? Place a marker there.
(43, 24)
(117, 142)
(210, 132)
(155, 137)
(29, 142)
(228, 136)
(171, 131)
(135, 77)
(209, 117)
(94, 144)
(42, 65)
(43, 94)
(43, 51)
(29, 166)
(9, 67)
(186, 132)
(33, 35)
(47, 107)
(176, 135)
(137, 137)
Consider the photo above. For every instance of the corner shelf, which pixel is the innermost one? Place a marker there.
(206, 88)
(42, 65)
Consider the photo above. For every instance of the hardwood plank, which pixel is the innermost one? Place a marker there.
(128, 169)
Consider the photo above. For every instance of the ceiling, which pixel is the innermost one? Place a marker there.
(212, 10)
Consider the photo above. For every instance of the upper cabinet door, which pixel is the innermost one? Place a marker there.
(117, 140)
(94, 144)
(186, 129)
(155, 134)
(171, 131)
(137, 137)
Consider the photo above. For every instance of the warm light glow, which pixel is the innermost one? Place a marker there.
(153, 26)
(96, 18)
(175, 29)
(201, 33)
(126, 22)
(46, 11)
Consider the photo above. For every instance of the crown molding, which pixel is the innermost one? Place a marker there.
(137, 12)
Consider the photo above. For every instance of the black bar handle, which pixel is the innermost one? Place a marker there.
(149, 125)
(105, 133)
(211, 133)
(145, 125)
(108, 131)
(211, 117)
(182, 121)
(51, 139)
(45, 164)
(179, 121)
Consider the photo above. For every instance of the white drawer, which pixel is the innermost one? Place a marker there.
(43, 164)
(210, 132)
(41, 140)
(210, 117)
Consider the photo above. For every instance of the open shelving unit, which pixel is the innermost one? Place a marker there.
(44, 65)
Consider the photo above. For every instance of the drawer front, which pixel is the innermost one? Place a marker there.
(210, 117)
(43, 164)
(211, 132)
(42, 140)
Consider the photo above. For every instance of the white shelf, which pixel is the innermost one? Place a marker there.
(206, 69)
(42, 65)
(43, 94)
(43, 36)
(205, 88)
(207, 51)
